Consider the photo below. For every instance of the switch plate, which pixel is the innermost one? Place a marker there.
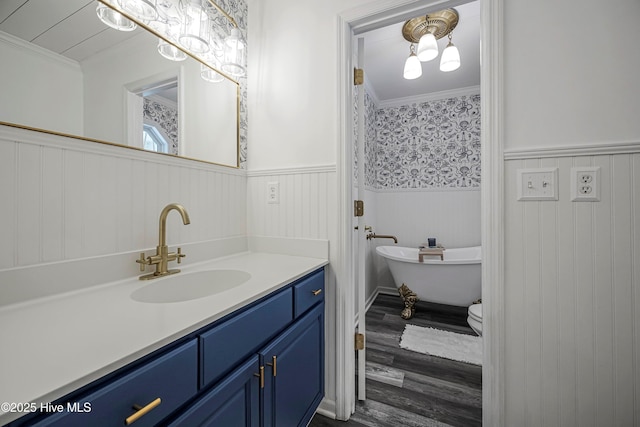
(273, 192)
(585, 184)
(538, 184)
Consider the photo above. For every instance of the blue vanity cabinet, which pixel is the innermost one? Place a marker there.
(234, 402)
(294, 372)
(260, 366)
(231, 341)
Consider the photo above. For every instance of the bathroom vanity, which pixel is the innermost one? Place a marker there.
(249, 356)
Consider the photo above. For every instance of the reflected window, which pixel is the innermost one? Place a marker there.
(153, 140)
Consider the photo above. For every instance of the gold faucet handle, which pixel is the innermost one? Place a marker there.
(180, 255)
(142, 261)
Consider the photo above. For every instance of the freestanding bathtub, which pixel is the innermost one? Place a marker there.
(455, 280)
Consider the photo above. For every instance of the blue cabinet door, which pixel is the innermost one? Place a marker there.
(235, 402)
(166, 382)
(294, 372)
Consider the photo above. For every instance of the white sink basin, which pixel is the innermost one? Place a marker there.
(189, 286)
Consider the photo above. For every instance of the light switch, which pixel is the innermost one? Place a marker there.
(538, 184)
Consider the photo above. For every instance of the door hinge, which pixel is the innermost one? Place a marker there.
(359, 343)
(358, 76)
(358, 208)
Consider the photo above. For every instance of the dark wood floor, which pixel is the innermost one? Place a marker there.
(405, 388)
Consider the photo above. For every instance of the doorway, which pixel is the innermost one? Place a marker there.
(352, 24)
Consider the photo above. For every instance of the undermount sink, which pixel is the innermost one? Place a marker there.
(189, 286)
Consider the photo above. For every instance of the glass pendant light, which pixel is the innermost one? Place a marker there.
(209, 74)
(195, 28)
(450, 60)
(427, 47)
(233, 62)
(141, 9)
(114, 19)
(412, 66)
(170, 52)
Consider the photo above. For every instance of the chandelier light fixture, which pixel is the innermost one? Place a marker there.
(424, 31)
(196, 28)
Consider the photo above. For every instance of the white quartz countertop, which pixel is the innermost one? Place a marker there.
(54, 345)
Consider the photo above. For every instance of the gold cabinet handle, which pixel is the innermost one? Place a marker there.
(317, 292)
(274, 364)
(141, 411)
(261, 376)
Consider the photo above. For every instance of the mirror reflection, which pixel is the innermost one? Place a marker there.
(67, 72)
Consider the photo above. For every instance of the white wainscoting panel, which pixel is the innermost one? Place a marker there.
(304, 209)
(65, 199)
(572, 299)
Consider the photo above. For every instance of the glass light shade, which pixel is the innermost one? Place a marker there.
(114, 19)
(450, 58)
(210, 75)
(170, 52)
(233, 61)
(142, 9)
(412, 67)
(195, 28)
(427, 47)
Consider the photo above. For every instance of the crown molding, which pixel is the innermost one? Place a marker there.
(445, 94)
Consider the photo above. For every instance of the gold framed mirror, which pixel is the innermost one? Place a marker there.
(110, 86)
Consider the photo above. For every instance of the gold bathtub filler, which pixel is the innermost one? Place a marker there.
(163, 256)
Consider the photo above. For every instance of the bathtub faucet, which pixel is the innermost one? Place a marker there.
(381, 236)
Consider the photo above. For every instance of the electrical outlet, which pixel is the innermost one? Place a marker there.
(585, 184)
(273, 192)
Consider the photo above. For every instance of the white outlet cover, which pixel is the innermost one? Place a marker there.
(585, 184)
(273, 192)
(537, 184)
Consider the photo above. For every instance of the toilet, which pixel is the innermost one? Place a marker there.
(475, 318)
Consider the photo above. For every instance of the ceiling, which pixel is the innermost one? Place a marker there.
(72, 28)
(68, 27)
(386, 50)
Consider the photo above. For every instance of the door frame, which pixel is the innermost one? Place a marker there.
(377, 14)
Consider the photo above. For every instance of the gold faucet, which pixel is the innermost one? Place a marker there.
(163, 256)
(381, 236)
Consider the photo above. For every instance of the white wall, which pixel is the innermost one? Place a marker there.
(572, 288)
(32, 80)
(570, 72)
(294, 96)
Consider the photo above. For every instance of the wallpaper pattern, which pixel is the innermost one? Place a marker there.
(166, 117)
(239, 11)
(434, 144)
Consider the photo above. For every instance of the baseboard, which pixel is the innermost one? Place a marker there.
(379, 290)
(327, 408)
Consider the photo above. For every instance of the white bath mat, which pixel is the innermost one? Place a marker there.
(464, 348)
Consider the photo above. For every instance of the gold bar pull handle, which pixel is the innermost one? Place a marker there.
(274, 364)
(261, 376)
(141, 411)
(317, 292)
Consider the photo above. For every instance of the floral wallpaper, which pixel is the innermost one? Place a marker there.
(369, 142)
(238, 10)
(166, 117)
(434, 144)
